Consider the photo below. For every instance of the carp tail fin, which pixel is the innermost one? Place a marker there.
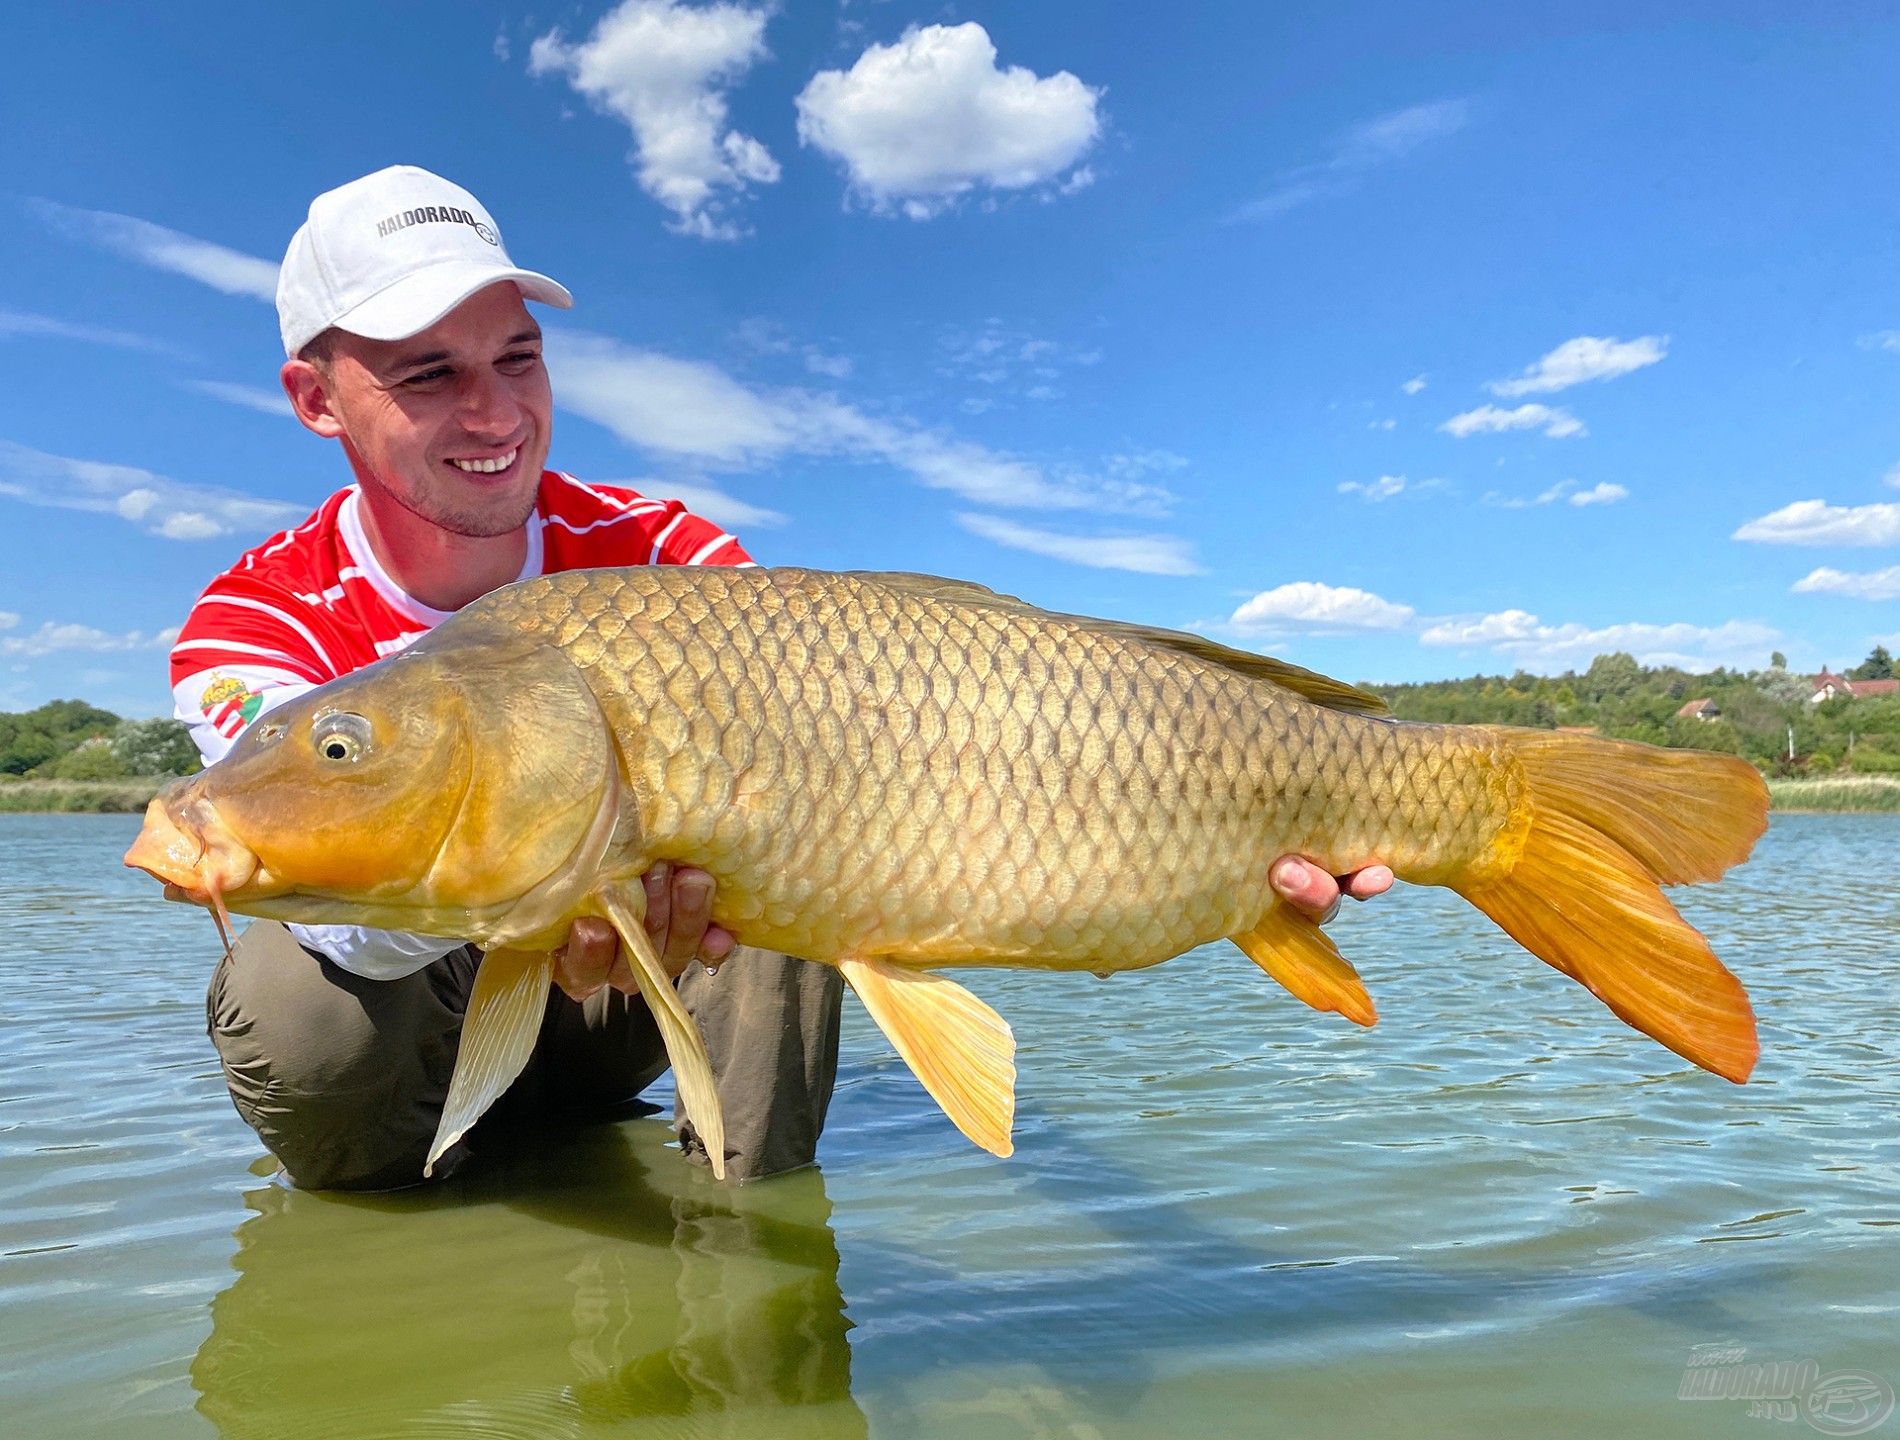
(499, 1028)
(1603, 825)
(960, 1050)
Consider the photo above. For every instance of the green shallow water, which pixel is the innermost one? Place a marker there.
(1498, 1213)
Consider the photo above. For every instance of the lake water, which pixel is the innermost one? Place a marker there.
(1498, 1213)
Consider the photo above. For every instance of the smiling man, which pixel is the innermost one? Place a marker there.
(409, 343)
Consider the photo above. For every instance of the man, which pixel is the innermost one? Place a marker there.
(409, 343)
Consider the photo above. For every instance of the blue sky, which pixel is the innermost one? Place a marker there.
(1403, 341)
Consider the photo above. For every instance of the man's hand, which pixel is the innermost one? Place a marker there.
(679, 922)
(1315, 894)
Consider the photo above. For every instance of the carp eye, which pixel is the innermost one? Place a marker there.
(343, 737)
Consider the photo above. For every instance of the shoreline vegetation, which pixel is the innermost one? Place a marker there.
(78, 797)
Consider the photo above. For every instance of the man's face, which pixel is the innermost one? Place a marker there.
(428, 421)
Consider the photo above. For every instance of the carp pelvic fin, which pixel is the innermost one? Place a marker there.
(1302, 957)
(1603, 825)
(499, 1029)
(959, 1049)
(692, 1070)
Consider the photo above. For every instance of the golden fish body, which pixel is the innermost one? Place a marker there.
(891, 773)
(922, 771)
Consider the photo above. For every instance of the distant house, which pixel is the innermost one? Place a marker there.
(1699, 710)
(1827, 685)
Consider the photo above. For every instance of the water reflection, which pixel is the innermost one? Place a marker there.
(560, 1287)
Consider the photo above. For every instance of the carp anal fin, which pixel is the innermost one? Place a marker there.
(692, 1070)
(960, 1050)
(503, 1020)
(1302, 957)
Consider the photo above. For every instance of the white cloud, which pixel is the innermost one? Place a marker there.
(1554, 421)
(190, 525)
(687, 409)
(925, 120)
(53, 637)
(17, 322)
(251, 397)
(1397, 134)
(1008, 361)
(1133, 464)
(1309, 607)
(1892, 477)
(1144, 554)
(1865, 585)
(222, 269)
(1881, 340)
(664, 68)
(156, 504)
(8, 620)
(1531, 643)
(1815, 522)
(661, 403)
(1414, 385)
(1588, 357)
(1365, 147)
(768, 337)
(1602, 493)
(1384, 488)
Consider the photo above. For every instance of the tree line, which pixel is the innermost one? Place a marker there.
(71, 740)
(1763, 715)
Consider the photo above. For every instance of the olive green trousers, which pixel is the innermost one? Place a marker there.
(343, 1078)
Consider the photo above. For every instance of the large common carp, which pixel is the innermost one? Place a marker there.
(890, 773)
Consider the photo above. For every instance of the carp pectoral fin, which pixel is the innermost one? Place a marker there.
(499, 1029)
(1302, 957)
(692, 1070)
(958, 1048)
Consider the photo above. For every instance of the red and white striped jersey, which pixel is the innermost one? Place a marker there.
(313, 603)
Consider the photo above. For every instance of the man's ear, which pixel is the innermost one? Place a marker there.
(308, 387)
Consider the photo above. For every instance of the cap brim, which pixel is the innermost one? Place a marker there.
(422, 297)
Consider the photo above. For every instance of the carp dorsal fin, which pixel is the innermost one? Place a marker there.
(1309, 685)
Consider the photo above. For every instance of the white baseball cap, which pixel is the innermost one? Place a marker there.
(391, 254)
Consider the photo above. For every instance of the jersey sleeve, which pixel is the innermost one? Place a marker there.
(243, 650)
(683, 538)
(240, 656)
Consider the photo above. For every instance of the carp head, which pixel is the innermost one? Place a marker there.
(460, 788)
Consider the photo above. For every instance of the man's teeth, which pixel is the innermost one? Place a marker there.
(487, 467)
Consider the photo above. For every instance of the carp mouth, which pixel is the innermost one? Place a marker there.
(188, 847)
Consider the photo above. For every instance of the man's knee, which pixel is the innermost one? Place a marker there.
(771, 1028)
(342, 1078)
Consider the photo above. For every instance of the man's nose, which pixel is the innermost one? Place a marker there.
(487, 404)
